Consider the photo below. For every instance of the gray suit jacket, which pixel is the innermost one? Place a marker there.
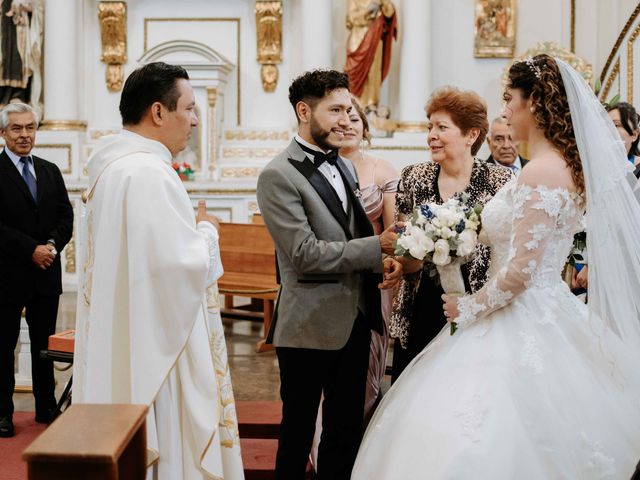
(326, 257)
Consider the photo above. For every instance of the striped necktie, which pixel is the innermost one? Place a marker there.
(28, 177)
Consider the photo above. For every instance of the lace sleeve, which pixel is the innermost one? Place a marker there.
(535, 217)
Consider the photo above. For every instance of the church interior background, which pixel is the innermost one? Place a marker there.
(241, 56)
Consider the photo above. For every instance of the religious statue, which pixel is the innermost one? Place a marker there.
(372, 25)
(21, 29)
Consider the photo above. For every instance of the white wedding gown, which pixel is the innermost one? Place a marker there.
(529, 387)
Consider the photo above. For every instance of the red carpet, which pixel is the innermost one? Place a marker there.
(13, 467)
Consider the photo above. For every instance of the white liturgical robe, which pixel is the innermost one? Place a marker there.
(142, 334)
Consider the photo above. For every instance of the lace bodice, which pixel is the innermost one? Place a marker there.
(530, 231)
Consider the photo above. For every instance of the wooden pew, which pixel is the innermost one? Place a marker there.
(100, 442)
(248, 257)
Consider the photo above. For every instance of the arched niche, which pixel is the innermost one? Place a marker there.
(209, 74)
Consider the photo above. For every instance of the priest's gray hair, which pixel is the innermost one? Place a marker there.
(16, 108)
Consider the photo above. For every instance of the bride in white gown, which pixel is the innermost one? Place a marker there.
(534, 384)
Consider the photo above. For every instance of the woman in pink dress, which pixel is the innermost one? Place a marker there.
(378, 182)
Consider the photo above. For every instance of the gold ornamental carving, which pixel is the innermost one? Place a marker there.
(70, 256)
(556, 51)
(212, 98)
(269, 41)
(242, 172)
(113, 34)
(250, 152)
(261, 135)
(415, 127)
(63, 125)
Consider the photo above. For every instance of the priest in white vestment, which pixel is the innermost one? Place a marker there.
(149, 287)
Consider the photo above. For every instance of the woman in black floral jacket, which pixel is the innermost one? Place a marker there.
(458, 125)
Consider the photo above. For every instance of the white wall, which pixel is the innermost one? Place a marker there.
(598, 23)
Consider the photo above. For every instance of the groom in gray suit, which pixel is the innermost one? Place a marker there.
(330, 264)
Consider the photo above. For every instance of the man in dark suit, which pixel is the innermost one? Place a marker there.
(36, 222)
(504, 151)
(329, 261)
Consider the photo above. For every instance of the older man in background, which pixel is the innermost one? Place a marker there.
(504, 151)
(36, 222)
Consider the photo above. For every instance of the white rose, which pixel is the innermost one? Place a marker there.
(415, 241)
(427, 243)
(446, 233)
(441, 252)
(467, 242)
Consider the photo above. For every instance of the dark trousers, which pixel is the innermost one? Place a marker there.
(305, 374)
(41, 313)
(426, 322)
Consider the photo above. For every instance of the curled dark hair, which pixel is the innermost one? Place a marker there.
(539, 79)
(154, 82)
(629, 120)
(467, 110)
(312, 86)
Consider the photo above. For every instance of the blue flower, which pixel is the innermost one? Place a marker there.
(426, 212)
(460, 226)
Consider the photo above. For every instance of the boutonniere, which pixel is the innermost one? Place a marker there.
(357, 192)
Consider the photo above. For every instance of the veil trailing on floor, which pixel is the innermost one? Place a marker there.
(613, 211)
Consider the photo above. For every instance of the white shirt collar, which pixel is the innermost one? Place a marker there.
(299, 139)
(166, 153)
(14, 157)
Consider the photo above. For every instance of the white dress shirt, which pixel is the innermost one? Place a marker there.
(330, 172)
(16, 161)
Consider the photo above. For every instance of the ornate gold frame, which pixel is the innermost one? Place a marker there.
(269, 41)
(113, 34)
(488, 42)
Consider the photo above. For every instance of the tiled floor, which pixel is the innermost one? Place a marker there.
(255, 375)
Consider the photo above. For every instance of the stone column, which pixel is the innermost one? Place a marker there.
(62, 51)
(315, 16)
(415, 45)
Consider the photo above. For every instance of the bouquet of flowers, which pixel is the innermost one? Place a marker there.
(445, 235)
(184, 170)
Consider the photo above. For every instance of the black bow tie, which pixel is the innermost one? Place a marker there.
(330, 157)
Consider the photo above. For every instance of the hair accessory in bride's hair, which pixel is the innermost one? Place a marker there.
(534, 68)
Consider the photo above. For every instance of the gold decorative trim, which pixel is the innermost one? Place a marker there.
(192, 189)
(70, 256)
(269, 41)
(212, 97)
(97, 134)
(616, 46)
(63, 125)
(261, 135)
(241, 172)
(610, 80)
(113, 35)
(221, 19)
(630, 43)
(250, 152)
(412, 127)
(572, 26)
(66, 146)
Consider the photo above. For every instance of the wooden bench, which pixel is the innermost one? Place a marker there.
(100, 442)
(248, 257)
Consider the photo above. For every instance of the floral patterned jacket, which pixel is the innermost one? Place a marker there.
(419, 185)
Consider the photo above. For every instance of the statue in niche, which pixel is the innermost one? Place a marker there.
(372, 25)
(21, 30)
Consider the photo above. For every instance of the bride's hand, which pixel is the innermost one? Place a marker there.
(450, 307)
